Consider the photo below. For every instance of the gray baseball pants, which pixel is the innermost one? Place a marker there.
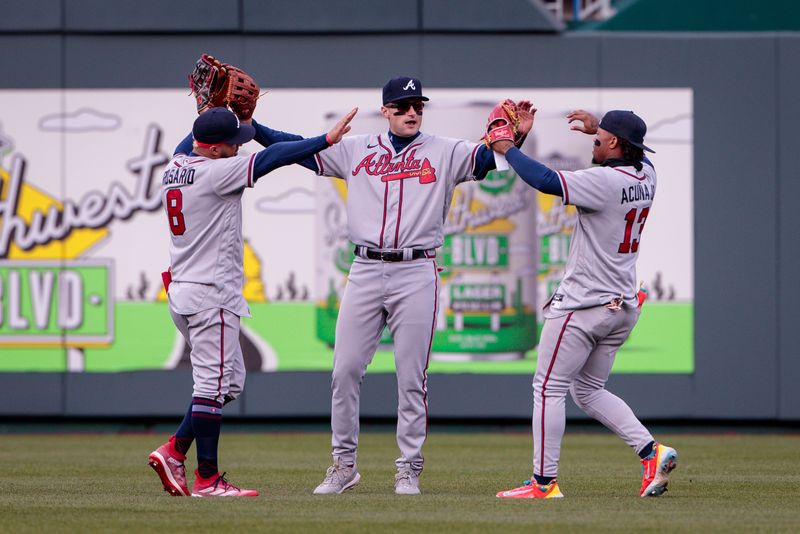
(403, 295)
(216, 355)
(576, 352)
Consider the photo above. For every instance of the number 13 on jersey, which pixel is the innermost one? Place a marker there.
(628, 245)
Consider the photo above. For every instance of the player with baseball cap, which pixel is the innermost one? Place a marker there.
(202, 189)
(595, 307)
(399, 187)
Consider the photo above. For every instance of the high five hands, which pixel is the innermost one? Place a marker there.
(341, 128)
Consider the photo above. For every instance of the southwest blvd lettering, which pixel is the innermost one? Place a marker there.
(637, 192)
(94, 210)
(42, 285)
(408, 167)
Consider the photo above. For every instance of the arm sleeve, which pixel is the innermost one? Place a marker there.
(534, 174)
(287, 152)
(484, 162)
(267, 137)
(185, 146)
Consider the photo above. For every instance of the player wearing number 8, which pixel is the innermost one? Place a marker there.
(595, 307)
(202, 191)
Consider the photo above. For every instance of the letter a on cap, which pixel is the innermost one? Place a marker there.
(410, 85)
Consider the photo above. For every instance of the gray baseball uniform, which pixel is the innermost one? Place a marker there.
(202, 198)
(395, 202)
(593, 310)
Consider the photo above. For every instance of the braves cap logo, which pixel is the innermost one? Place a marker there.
(410, 85)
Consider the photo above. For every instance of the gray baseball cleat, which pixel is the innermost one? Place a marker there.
(338, 478)
(406, 482)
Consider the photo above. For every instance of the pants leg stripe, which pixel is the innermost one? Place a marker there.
(221, 352)
(544, 387)
(430, 343)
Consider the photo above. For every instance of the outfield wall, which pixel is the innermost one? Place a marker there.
(746, 252)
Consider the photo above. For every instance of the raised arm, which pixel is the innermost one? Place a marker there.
(287, 152)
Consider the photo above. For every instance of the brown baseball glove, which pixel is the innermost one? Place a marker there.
(216, 84)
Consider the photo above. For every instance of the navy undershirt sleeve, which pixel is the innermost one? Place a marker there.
(484, 162)
(185, 146)
(534, 173)
(285, 153)
(266, 137)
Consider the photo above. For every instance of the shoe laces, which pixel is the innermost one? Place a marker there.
(224, 481)
(335, 473)
(531, 482)
(404, 476)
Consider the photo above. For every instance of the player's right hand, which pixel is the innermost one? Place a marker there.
(589, 122)
(341, 128)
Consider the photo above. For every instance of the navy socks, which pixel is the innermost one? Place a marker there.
(206, 420)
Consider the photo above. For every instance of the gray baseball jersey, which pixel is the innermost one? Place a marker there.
(394, 201)
(613, 204)
(399, 200)
(593, 310)
(202, 198)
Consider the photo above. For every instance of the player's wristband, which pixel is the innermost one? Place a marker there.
(328, 140)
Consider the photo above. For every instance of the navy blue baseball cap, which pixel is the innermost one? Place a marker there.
(626, 125)
(221, 125)
(401, 89)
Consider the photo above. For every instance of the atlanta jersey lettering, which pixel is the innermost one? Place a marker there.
(613, 203)
(398, 200)
(202, 199)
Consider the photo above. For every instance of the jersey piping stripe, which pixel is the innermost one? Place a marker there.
(383, 225)
(320, 167)
(544, 387)
(430, 343)
(564, 187)
(221, 352)
(399, 212)
(250, 170)
(473, 159)
(385, 196)
(631, 175)
(380, 142)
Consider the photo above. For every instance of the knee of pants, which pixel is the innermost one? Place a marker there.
(582, 395)
(347, 371)
(553, 387)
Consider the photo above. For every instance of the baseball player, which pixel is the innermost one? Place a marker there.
(399, 187)
(202, 189)
(595, 307)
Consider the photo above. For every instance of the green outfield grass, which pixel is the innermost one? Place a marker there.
(101, 482)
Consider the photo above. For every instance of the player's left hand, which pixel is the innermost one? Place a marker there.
(341, 128)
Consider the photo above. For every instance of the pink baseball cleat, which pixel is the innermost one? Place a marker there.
(168, 465)
(217, 486)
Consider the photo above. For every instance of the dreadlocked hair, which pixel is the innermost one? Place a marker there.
(632, 154)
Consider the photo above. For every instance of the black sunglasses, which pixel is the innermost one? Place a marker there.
(403, 107)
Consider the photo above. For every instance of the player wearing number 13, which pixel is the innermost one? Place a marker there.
(595, 307)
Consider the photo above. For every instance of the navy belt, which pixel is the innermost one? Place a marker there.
(406, 254)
